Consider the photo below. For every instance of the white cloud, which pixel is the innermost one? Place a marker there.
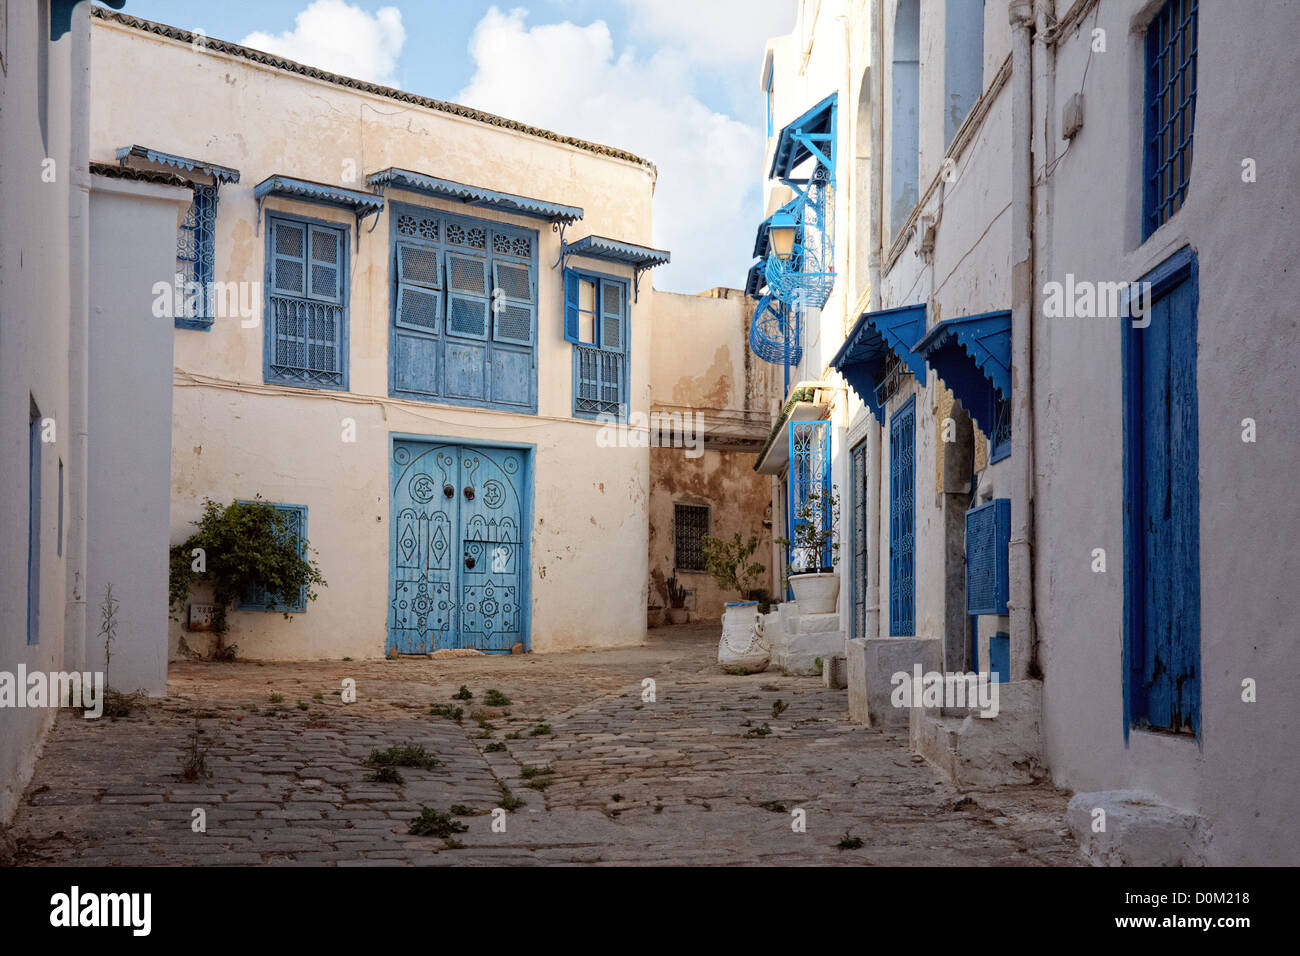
(717, 32)
(342, 38)
(569, 78)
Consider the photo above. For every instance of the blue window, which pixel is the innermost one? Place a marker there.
(195, 256)
(809, 472)
(464, 310)
(296, 528)
(596, 322)
(1162, 577)
(902, 519)
(306, 303)
(34, 526)
(1170, 111)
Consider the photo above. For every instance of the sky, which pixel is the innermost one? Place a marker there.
(675, 81)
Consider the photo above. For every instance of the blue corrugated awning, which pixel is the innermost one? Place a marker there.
(861, 359)
(755, 280)
(474, 195)
(611, 250)
(972, 355)
(793, 144)
(219, 174)
(363, 204)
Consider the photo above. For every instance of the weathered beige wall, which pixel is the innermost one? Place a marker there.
(701, 362)
(235, 437)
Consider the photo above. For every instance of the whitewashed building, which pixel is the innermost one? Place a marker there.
(1044, 378)
(426, 319)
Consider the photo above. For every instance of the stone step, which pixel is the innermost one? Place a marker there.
(1135, 829)
(981, 753)
(798, 653)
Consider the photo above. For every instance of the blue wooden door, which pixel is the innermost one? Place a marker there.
(457, 558)
(902, 519)
(491, 551)
(859, 465)
(1163, 511)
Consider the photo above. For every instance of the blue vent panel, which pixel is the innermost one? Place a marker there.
(988, 537)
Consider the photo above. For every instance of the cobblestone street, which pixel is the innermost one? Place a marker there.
(708, 772)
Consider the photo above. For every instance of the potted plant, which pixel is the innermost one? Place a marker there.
(241, 549)
(675, 593)
(815, 552)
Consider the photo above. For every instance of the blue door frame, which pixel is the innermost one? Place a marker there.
(459, 562)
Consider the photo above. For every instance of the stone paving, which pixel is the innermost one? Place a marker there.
(709, 771)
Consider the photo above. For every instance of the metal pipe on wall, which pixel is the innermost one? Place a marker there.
(1021, 16)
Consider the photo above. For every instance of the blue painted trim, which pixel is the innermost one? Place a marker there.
(756, 280)
(345, 299)
(763, 238)
(436, 393)
(861, 359)
(612, 250)
(1000, 656)
(220, 174)
(474, 195)
(526, 518)
(972, 355)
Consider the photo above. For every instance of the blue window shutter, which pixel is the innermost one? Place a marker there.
(325, 260)
(613, 303)
(467, 296)
(288, 248)
(34, 527)
(256, 598)
(419, 281)
(571, 305)
(512, 298)
(988, 536)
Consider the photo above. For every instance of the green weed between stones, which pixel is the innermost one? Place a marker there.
(407, 755)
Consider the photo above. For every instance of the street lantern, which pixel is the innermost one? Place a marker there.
(780, 229)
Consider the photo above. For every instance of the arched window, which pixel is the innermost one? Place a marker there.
(905, 127)
(963, 62)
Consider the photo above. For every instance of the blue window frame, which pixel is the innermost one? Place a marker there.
(1162, 578)
(306, 303)
(34, 525)
(596, 322)
(1170, 110)
(195, 258)
(463, 310)
(809, 471)
(256, 599)
(902, 519)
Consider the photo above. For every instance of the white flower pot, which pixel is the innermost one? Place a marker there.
(816, 593)
(742, 645)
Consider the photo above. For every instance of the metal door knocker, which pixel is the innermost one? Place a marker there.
(448, 490)
(469, 562)
(469, 492)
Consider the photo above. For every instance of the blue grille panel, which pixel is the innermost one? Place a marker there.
(1170, 111)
